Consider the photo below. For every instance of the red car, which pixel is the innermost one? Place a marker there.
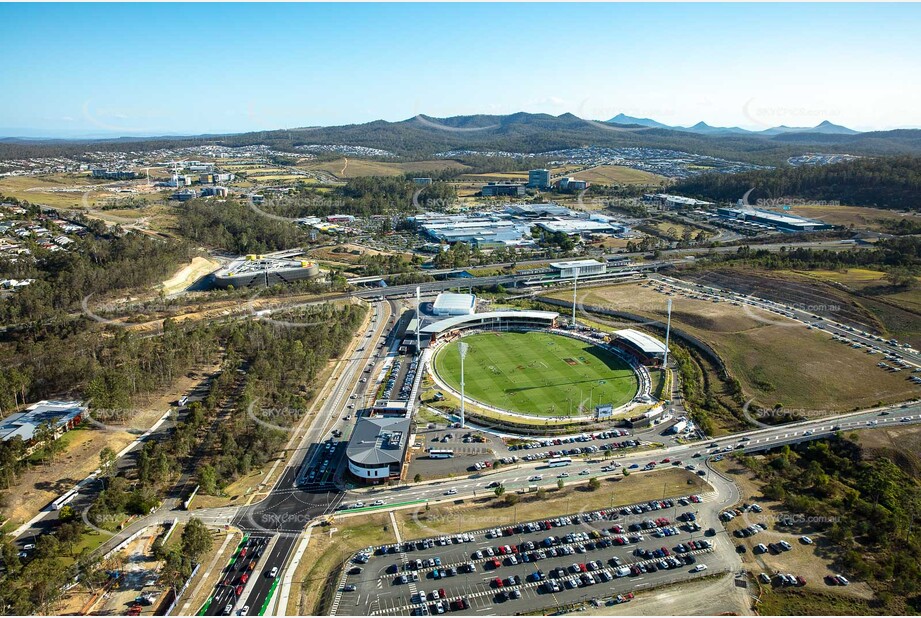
(495, 563)
(441, 593)
(497, 582)
(243, 553)
(244, 578)
(239, 589)
(583, 568)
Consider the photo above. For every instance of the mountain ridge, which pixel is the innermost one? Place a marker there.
(825, 127)
(521, 132)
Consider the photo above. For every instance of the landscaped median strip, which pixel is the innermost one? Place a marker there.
(268, 599)
(381, 506)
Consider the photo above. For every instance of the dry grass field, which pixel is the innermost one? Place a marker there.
(776, 360)
(858, 216)
(619, 175)
(348, 167)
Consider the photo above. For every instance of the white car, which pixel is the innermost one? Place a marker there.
(699, 568)
(584, 472)
(451, 492)
(807, 540)
(377, 503)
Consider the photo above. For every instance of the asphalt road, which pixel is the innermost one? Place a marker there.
(292, 504)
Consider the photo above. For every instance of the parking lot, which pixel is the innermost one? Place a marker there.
(536, 565)
(472, 447)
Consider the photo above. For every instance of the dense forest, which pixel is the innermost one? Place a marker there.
(867, 507)
(884, 183)
(216, 441)
(236, 227)
(423, 136)
(93, 265)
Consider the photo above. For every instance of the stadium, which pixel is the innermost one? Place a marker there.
(521, 368)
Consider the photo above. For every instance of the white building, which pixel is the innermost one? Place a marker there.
(448, 303)
(581, 268)
(377, 448)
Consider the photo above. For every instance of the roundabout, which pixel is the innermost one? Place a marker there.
(543, 374)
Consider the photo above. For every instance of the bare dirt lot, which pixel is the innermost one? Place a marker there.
(189, 274)
(703, 597)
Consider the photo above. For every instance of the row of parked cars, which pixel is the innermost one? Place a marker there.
(422, 544)
(774, 548)
(586, 437)
(410, 378)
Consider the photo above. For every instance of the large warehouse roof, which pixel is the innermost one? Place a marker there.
(24, 424)
(378, 441)
(646, 343)
(494, 316)
(449, 302)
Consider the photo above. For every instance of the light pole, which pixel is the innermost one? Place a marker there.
(462, 348)
(668, 328)
(575, 284)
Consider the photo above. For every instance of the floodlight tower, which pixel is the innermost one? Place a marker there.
(575, 285)
(462, 348)
(418, 322)
(668, 328)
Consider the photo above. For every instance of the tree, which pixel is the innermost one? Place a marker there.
(594, 484)
(541, 493)
(107, 468)
(196, 539)
(67, 513)
(417, 478)
(207, 479)
(44, 435)
(560, 484)
(500, 490)
(511, 499)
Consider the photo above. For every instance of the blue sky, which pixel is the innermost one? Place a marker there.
(196, 68)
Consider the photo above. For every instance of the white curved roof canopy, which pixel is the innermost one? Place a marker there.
(489, 316)
(646, 343)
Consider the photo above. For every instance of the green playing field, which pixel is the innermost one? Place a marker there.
(537, 373)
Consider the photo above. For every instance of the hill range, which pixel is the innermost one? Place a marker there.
(425, 136)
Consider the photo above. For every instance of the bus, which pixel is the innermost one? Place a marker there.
(441, 453)
(62, 500)
(559, 462)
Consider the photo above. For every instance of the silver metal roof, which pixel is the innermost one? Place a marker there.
(455, 321)
(378, 441)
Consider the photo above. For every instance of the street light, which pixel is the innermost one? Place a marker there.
(462, 348)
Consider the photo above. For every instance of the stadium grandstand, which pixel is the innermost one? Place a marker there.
(649, 350)
(490, 320)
